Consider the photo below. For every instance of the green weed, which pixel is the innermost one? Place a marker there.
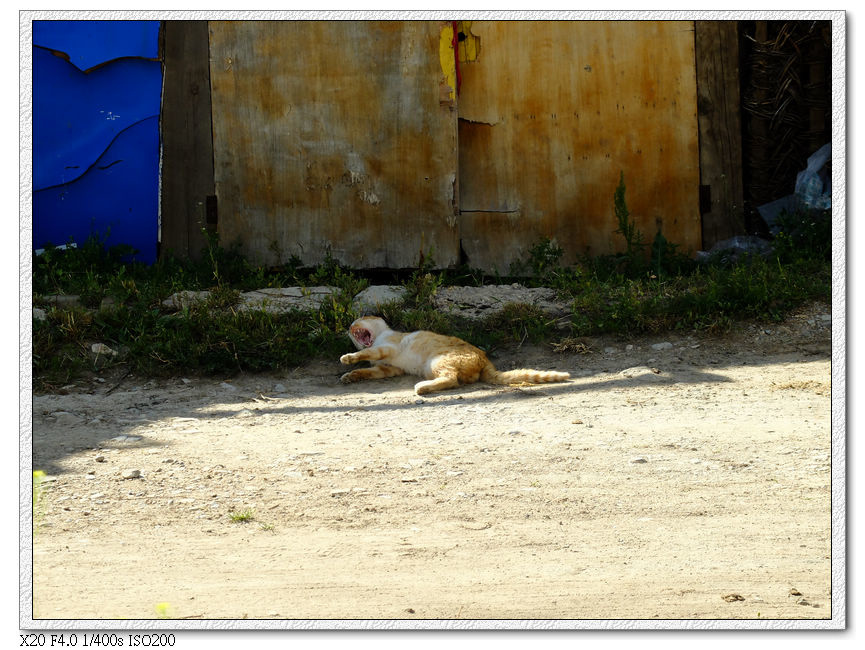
(38, 477)
(242, 517)
(804, 234)
(634, 243)
(162, 610)
(423, 282)
(543, 258)
(519, 322)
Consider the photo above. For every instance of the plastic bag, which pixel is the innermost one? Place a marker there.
(813, 190)
(813, 184)
(732, 250)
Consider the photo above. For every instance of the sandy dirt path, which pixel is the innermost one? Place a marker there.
(686, 482)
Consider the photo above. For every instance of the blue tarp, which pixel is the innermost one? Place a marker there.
(116, 199)
(96, 134)
(76, 116)
(89, 43)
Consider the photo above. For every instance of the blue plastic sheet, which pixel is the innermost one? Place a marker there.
(76, 116)
(116, 200)
(96, 134)
(90, 43)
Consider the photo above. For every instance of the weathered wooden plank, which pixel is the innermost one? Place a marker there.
(187, 146)
(719, 117)
(331, 137)
(552, 112)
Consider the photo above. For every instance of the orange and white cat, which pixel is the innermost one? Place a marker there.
(443, 361)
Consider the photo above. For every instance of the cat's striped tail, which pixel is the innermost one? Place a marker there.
(522, 376)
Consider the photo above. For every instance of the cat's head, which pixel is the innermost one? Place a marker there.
(364, 331)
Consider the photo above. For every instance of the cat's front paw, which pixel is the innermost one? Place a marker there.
(348, 378)
(347, 359)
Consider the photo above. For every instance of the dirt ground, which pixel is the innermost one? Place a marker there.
(686, 482)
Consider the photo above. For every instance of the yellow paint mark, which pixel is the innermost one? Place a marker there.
(446, 58)
(471, 44)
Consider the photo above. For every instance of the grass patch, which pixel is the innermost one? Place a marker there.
(205, 337)
(38, 477)
(242, 517)
(644, 289)
(708, 298)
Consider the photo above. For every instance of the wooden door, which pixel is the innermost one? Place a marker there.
(550, 114)
(334, 137)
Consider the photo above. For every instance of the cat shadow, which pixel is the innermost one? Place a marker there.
(483, 393)
(392, 395)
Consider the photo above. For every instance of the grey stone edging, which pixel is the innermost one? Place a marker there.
(469, 302)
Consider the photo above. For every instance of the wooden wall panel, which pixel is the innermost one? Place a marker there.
(187, 139)
(334, 136)
(719, 107)
(551, 112)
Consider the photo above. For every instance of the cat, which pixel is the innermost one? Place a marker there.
(443, 361)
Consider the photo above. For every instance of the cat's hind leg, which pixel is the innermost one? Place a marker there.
(379, 371)
(442, 382)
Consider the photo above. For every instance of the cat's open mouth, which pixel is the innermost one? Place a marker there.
(362, 335)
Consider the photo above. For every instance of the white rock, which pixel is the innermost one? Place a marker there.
(183, 299)
(666, 345)
(283, 299)
(100, 349)
(477, 302)
(66, 418)
(131, 473)
(372, 298)
(126, 438)
(63, 301)
(644, 373)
